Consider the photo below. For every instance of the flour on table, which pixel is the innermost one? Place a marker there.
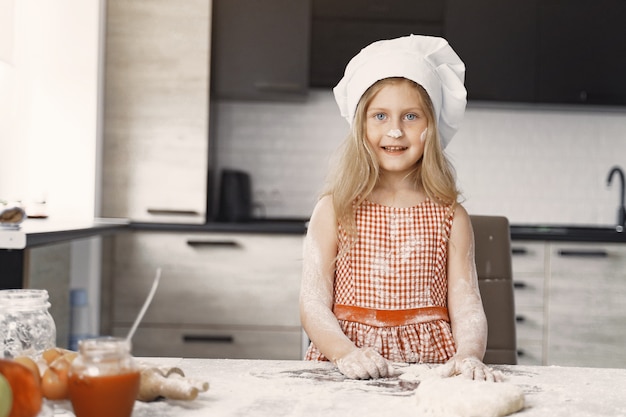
(417, 372)
(461, 397)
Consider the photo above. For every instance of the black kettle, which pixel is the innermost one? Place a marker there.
(235, 203)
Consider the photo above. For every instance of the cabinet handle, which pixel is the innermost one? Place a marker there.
(278, 87)
(214, 243)
(581, 253)
(520, 319)
(192, 338)
(519, 251)
(172, 212)
(519, 284)
(520, 352)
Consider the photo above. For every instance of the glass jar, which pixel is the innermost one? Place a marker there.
(26, 326)
(103, 379)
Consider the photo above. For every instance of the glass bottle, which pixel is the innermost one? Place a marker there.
(26, 326)
(104, 378)
(79, 317)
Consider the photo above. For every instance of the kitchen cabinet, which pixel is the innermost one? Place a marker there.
(555, 51)
(569, 303)
(580, 46)
(221, 295)
(587, 312)
(340, 29)
(486, 34)
(260, 49)
(48, 268)
(551, 51)
(528, 262)
(155, 128)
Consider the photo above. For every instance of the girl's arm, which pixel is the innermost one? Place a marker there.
(316, 300)
(467, 316)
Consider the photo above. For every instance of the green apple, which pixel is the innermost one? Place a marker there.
(6, 397)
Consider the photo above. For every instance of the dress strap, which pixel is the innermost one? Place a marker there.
(387, 318)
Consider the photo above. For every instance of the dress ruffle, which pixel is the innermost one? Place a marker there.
(430, 342)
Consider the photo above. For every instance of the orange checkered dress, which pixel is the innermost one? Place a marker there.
(397, 264)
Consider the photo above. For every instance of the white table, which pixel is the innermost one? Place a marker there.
(299, 388)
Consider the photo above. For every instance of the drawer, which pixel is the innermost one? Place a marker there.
(528, 292)
(528, 258)
(529, 324)
(583, 350)
(218, 343)
(209, 279)
(600, 298)
(588, 259)
(529, 352)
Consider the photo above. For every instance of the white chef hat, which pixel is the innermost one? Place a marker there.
(427, 60)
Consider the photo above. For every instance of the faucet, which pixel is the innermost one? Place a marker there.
(621, 211)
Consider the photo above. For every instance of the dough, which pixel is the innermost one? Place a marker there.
(461, 397)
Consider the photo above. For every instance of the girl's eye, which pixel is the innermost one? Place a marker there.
(380, 116)
(411, 116)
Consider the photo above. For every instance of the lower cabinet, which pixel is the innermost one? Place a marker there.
(587, 309)
(528, 274)
(49, 267)
(221, 295)
(210, 342)
(569, 303)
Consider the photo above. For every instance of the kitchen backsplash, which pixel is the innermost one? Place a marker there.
(532, 164)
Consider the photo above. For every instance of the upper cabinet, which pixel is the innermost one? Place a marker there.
(260, 49)
(496, 40)
(580, 52)
(548, 51)
(340, 29)
(156, 84)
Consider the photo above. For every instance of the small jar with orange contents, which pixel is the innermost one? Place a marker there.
(104, 378)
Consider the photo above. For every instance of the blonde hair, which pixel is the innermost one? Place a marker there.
(356, 172)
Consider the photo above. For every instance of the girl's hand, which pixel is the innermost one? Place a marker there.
(471, 368)
(364, 363)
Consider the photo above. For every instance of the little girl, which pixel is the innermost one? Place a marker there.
(389, 272)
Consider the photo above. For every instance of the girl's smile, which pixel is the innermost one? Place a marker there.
(394, 149)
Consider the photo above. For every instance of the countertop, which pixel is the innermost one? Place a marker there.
(300, 388)
(568, 233)
(545, 232)
(38, 232)
(261, 225)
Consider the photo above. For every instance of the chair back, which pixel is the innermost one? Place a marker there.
(495, 278)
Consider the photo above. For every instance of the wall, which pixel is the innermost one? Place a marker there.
(533, 164)
(49, 103)
(49, 126)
